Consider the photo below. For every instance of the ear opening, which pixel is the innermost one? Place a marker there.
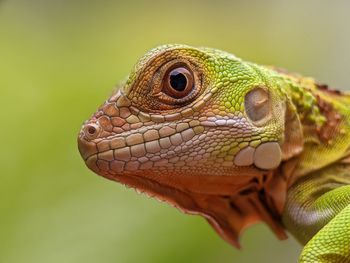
(293, 133)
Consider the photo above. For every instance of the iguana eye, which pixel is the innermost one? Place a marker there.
(178, 82)
(175, 83)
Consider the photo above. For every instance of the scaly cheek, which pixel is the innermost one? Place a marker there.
(130, 140)
(146, 149)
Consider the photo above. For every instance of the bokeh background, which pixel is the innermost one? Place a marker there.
(59, 60)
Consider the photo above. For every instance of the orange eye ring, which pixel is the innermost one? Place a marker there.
(178, 81)
(174, 84)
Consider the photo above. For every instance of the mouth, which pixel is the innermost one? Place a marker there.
(140, 149)
(167, 145)
(187, 129)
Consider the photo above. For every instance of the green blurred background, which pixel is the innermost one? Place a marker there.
(60, 59)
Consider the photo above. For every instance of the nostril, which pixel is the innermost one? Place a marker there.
(91, 130)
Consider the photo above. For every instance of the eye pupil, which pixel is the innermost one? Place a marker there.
(178, 81)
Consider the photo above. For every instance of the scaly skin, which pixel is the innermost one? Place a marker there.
(232, 141)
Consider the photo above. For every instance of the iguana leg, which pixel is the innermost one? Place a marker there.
(331, 243)
(317, 213)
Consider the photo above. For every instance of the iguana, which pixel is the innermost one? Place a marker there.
(232, 141)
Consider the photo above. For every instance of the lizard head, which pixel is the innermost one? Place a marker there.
(198, 128)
